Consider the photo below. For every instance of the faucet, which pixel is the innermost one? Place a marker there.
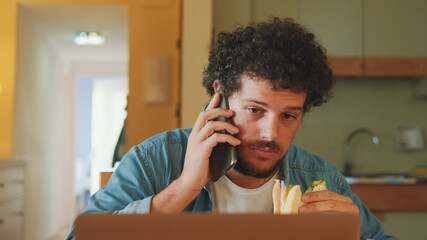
(348, 166)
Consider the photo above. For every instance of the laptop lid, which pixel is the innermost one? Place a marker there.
(218, 226)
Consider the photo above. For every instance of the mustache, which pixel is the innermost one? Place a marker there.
(265, 144)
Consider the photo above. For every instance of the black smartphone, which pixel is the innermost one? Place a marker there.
(223, 156)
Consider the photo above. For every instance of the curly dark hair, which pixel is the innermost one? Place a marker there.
(279, 50)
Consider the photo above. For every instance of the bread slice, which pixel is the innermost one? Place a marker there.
(283, 197)
(293, 201)
(288, 200)
(276, 197)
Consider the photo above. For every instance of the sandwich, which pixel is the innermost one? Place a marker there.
(287, 200)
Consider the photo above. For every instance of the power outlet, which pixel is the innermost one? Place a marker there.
(409, 138)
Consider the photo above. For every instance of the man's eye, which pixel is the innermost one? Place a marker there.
(253, 110)
(288, 116)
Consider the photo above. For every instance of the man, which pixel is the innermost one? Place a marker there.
(271, 73)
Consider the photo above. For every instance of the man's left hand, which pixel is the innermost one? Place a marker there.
(327, 201)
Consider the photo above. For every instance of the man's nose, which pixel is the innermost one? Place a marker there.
(269, 128)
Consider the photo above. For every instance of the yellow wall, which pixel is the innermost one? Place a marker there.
(154, 29)
(8, 11)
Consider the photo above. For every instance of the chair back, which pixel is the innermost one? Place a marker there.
(104, 177)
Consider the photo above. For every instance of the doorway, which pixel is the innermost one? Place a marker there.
(52, 73)
(101, 114)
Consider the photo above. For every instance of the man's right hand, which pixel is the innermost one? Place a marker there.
(196, 174)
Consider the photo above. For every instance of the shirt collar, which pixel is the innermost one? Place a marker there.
(283, 174)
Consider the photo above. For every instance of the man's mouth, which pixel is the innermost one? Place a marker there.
(264, 152)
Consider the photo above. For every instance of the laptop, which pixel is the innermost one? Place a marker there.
(218, 226)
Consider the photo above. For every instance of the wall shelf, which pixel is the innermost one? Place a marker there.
(343, 66)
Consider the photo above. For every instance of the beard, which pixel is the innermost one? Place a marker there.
(251, 169)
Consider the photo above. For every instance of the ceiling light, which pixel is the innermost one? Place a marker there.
(88, 38)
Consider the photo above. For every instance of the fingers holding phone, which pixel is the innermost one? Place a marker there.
(211, 112)
(207, 133)
(223, 156)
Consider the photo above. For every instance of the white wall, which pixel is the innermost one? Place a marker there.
(41, 131)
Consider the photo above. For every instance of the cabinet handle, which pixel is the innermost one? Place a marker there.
(1, 221)
(2, 184)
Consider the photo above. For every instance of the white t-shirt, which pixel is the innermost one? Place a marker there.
(227, 197)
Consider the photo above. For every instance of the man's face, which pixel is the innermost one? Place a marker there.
(268, 120)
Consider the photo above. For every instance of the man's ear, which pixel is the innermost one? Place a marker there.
(217, 85)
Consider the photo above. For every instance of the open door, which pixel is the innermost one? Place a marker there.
(154, 69)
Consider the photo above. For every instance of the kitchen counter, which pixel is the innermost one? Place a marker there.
(380, 198)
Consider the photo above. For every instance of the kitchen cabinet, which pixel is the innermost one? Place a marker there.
(11, 199)
(395, 38)
(396, 28)
(359, 28)
(341, 32)
(363, 38)
(371, 38)
(380, 198)
(337, 24)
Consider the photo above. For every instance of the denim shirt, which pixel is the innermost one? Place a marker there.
(151, 166)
